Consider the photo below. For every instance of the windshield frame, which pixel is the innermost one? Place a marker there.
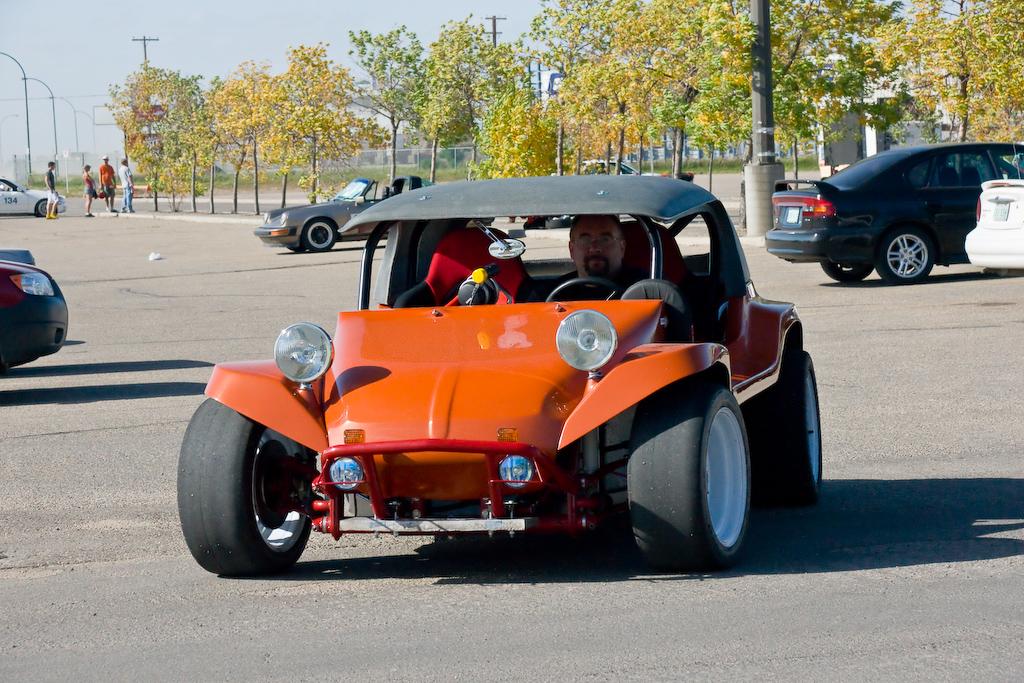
(349, 193)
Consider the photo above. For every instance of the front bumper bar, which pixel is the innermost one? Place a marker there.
(581, 511)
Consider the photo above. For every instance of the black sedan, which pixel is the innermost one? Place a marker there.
(33, 314)
(899, 212)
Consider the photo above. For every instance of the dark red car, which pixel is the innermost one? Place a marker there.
(33, 314)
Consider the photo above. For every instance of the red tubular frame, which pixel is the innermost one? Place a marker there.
(548, 475)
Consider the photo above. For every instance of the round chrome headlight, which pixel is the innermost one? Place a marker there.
(515, 471)
(303, 352)
(346, 473)
(586, 339)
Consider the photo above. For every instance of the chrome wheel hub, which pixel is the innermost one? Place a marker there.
(727, 479)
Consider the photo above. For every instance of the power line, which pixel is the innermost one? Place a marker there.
(144, 40)
(494, 28)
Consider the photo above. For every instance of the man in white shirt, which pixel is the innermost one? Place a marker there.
(127, 186)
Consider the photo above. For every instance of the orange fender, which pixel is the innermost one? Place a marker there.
(643, 371)
(258, 390)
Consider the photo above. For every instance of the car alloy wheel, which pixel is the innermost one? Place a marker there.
(907, 256)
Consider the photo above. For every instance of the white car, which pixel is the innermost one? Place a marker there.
(998, 240)
(15, 198)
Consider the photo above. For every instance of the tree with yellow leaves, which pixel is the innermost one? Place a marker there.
(963, 58)
(392, 62)
(315, 107)
(517, 136)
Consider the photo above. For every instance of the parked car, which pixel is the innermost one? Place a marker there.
(899, 212)
(998, 240)
(18, 199)
(474, 391)
(316, 227)
(597, 167)
(17, 255)
(33, 314)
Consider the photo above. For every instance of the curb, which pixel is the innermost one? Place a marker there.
(253, 222)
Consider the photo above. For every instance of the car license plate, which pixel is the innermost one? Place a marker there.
(1001, 212)
(791, 216)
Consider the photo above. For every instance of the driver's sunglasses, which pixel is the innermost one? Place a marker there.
(602, 240)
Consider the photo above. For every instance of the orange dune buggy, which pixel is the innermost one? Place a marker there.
(478, 391)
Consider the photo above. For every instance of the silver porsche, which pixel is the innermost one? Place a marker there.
(317, 227)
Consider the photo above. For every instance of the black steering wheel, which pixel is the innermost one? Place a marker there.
(589, 282)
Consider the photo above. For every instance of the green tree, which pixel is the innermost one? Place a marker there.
(442, 117)
(828, 60)
(392, 62)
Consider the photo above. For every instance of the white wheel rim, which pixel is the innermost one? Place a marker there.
(811, 424)
(281, 538)
(907, 256)
(727, 477)
(314, 230)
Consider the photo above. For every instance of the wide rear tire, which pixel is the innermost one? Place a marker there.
(689, 479)
(229, 469)
(784, 426)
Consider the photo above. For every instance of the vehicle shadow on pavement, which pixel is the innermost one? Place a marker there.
(859, 524)
(320, 253)
(105, 392)
(103, 368)
(933, 279)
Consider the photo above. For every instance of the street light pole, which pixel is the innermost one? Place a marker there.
(53, 109)
(74, 115)
(9, 116)
(28, 135)
(760, 175)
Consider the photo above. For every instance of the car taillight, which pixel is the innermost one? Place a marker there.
(814, 207)
(977, 210)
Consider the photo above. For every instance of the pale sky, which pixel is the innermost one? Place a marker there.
(79, 51)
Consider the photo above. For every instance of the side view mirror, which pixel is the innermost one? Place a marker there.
(360, 199)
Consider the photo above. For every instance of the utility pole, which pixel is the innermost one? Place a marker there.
(494, 28)
(760, 175)
(144, 40)
(53, 110)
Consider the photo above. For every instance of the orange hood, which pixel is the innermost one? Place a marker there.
(463, 372)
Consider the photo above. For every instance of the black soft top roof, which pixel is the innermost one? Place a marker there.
(663, 199)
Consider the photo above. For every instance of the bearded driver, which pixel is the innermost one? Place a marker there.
(597, 248)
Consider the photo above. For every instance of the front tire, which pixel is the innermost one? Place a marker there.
(319, 235)
(847, 272)
(40, 209)
(689, 479)
(232, 488)
(905, 256)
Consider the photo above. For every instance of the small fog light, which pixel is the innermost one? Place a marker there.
(346, 473)
(515, 471)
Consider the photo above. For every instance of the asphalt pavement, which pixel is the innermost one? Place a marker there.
(910, 567)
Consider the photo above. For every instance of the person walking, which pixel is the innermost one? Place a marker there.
(127, 187)
(52, 198)
(89, 187)
(107, 183)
